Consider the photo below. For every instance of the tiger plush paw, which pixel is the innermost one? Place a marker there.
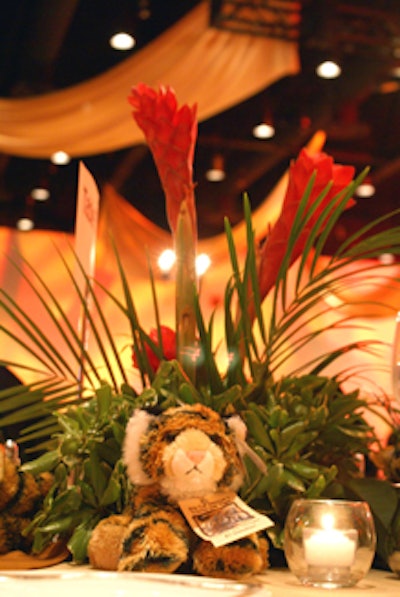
(237, 560)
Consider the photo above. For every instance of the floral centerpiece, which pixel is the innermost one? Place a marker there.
(305, 434)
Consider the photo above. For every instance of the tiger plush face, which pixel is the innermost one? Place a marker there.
(188, 451)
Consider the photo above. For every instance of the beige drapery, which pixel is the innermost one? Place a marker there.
(213, 68)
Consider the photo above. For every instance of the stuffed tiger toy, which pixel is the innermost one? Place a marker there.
(21, 496)
(184, 453)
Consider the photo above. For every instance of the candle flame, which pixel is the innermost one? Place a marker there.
(327, 521)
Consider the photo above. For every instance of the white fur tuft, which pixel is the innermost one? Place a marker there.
(238, 427)
(135, 429)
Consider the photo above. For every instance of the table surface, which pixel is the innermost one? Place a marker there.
(275, 583)
(283, 583)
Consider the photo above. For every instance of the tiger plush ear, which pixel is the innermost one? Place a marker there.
(238, 427)
(239, 430)
(136, 428)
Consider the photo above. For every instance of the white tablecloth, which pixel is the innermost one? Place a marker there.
(67, 580)
(377, 583)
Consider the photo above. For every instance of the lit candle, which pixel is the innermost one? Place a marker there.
(329, 547)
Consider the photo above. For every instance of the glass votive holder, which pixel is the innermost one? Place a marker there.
(329, 543)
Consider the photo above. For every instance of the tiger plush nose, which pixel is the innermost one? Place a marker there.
(196, 456)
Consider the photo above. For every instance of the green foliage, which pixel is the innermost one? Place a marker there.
(384, 501)
(307, 433)
(89, 477)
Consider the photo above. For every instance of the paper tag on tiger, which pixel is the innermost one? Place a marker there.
(222, 518)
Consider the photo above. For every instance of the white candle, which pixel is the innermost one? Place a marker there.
(331, 548)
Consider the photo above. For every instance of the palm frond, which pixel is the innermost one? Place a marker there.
(139, 338)
(71, 340)
(91, 307)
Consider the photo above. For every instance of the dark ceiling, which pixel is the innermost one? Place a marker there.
(47, 45)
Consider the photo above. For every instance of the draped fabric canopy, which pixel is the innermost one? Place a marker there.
(213, 68)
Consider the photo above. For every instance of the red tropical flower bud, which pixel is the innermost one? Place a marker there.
(171, 134)
(168, 339)
(300, 172)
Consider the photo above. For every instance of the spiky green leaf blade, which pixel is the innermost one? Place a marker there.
(242, 323)
(207, 357)
(138, 336)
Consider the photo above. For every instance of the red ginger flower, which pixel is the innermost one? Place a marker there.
(168, 339)
(300, 172)
(171, 136)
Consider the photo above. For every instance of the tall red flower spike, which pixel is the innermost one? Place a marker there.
(171, 134)
(300, 172)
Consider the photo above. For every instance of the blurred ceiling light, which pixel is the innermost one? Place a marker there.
(217, 171)
(60, 158)
(396, 72)
(203, 262)
(122, 41)
(144, 11)
(263, 130)
(40, 194)
(166, 260)
(366, 189)
(25, 224)
(328, 70)
(389, 87)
